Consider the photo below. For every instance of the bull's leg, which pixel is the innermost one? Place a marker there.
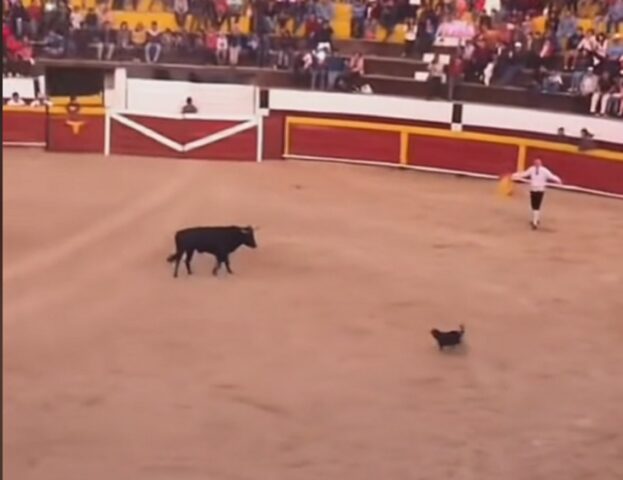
(189, 256)
(177, 265)
(226, 260)
(217, 266)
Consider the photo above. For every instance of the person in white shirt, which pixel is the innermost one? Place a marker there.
(15, 101)
(538, 175)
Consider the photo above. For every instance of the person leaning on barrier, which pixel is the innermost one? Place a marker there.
(189, 107)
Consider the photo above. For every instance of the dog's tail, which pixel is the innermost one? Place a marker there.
(171, 258)
(462, 329)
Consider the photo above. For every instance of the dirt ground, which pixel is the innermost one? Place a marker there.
(314, 360)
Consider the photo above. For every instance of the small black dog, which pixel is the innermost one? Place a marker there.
(448, 339)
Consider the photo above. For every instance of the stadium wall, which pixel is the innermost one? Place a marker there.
(243, 123)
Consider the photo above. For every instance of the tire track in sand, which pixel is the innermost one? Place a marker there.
(47, 258)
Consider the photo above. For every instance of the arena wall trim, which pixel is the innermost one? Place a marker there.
(371, 130)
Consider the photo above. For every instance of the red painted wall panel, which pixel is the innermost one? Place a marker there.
(464, 155)
(345, 143)
(26, 126)
(582, 170)
(89, 138)
(128, 141)
(273, 136)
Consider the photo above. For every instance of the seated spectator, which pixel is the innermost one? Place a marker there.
(16, 50)
(234, 41)
(589, 83)
(73, 107)
(35, 14)
(235, 11)
(104, 40)
(356, 68)
(167, 42)
(189, 106)
(180, 11)
(222, 49)
(435, 77)
(552, 83)
(389, 18)
(614, 105)
(139, 37)
(587, 141)
(210, 40)
(511, 61)
(602, 93)
(571, 49)
(286, 47)
(358, 19)
(42, 100)
(614, 17)
(410, 36)
(153, 46)
(91, 20)
(124, 41)
(15, 101)
(54, 44)
(581, 67)
(325, 11)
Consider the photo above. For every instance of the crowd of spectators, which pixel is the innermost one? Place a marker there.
(505, 50)
(498, 44)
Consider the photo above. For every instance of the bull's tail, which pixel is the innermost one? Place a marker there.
(172, 258)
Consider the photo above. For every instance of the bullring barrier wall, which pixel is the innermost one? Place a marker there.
(238, 122)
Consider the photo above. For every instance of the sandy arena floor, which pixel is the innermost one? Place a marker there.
(314, 360)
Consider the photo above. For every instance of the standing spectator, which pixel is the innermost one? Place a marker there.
(324, 37)
(104, 40)
(319, 72)
(602, 93)
(180, 11)
(153, 47)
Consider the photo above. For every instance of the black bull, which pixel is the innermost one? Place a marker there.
(218, 241)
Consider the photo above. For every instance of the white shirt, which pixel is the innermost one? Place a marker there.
(538, 177)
